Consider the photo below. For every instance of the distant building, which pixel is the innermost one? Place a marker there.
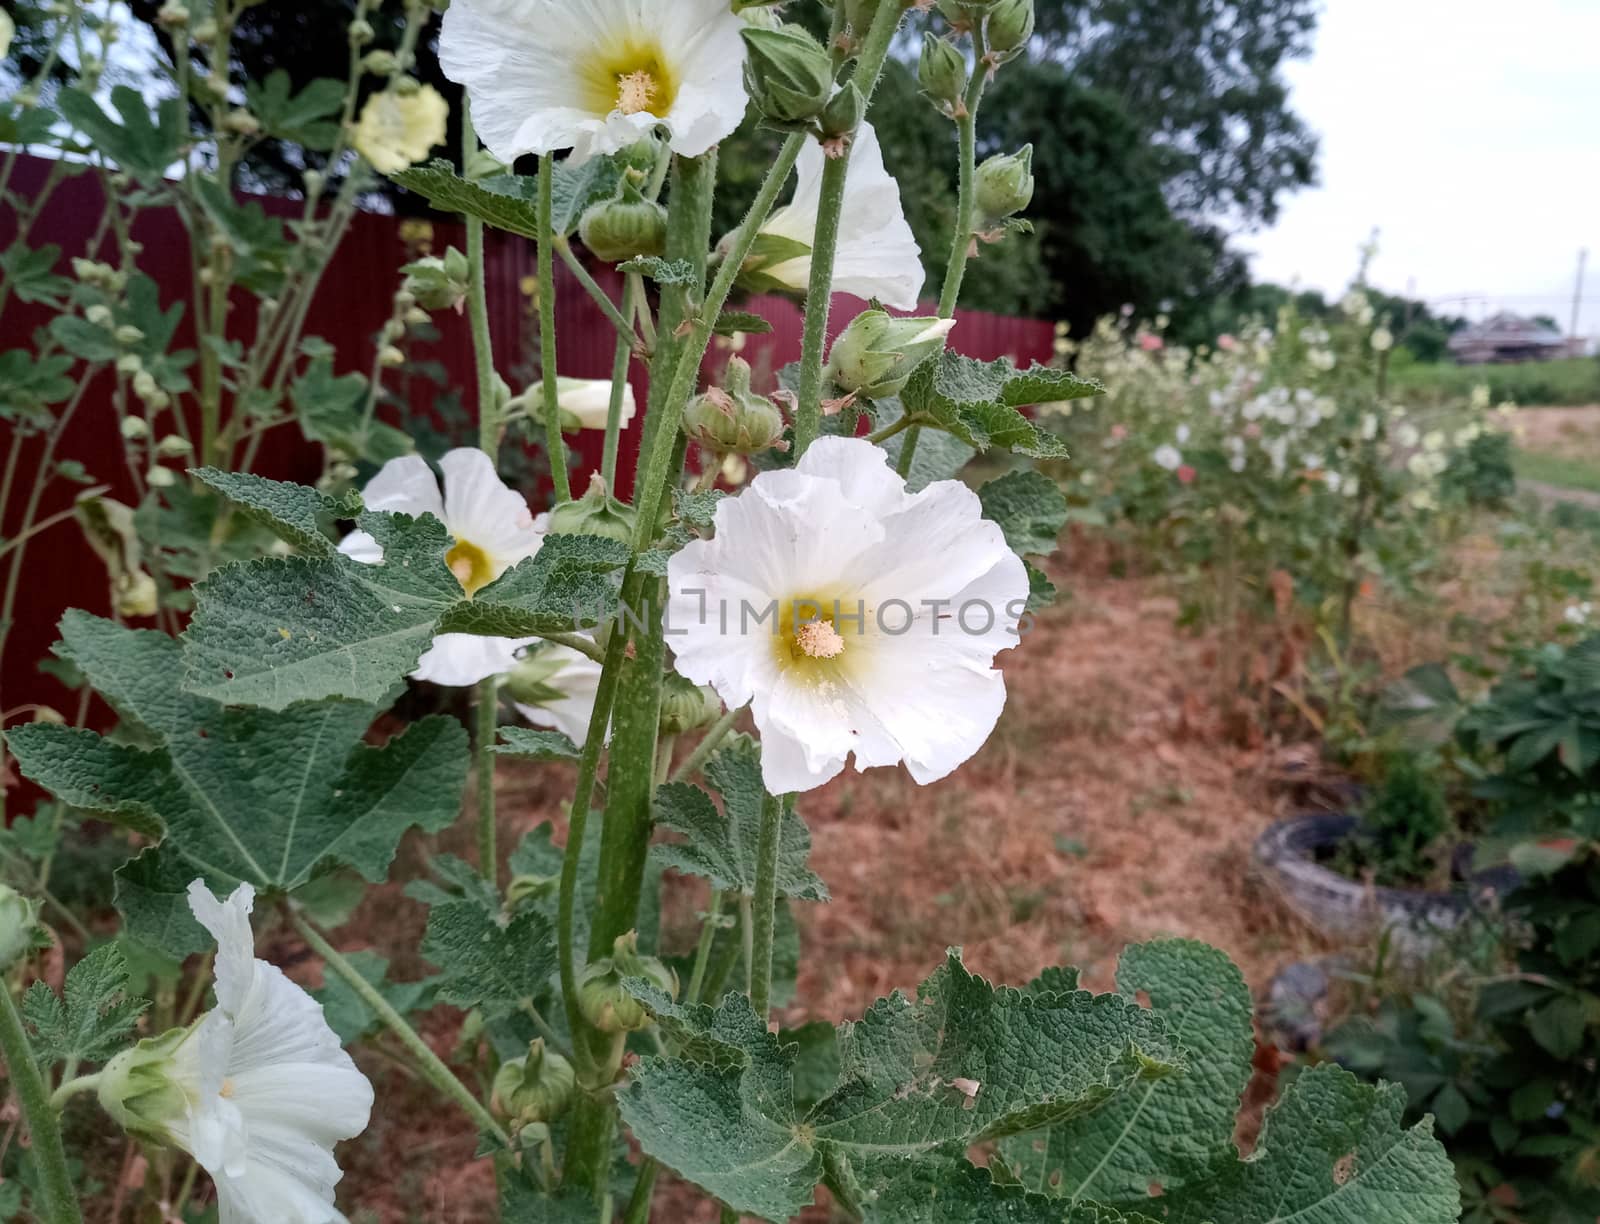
(1506, 337)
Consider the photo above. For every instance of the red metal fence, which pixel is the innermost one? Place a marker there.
(352, 305)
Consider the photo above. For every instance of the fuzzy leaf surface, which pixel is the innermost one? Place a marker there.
(722, 845)
(92, 1017)
(298, 514)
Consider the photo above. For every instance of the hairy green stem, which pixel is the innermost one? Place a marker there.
(966, 204)
(478, 308)
(825, 241)
(60, 1201)
(617, 317)
(644, 1189)
(547, 333)
(429, 1064)
(620, 364)
(71, 1088)
(702, 952)
(764, 906)
(486, 701)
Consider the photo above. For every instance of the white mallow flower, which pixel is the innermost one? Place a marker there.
(1579, 613)
(555, 686)
(585, 402)
(1183, 435)
(258, 1090)
(1168, 456)
(493, 530)
(856, 616)
(878, 256)
(595, 76)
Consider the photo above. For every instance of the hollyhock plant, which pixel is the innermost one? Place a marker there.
(595, 76)
(397, 130)
(887, 610)
(555, 686)
(493, 530)
(585, 402)
(258, 1090)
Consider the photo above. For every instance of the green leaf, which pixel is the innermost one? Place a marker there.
(348, 1014)
(951, 1191)
(536, 745)
(83, 339)
(487, 963)
(1041, 591)
(722, 845)
(302, 118)
(662, 271)
(275, 799)
(260, 250)
(332, 410)
(1559, 1026)
(282, 630)
(1030, 509)
(27, 383)
(31, 274)
(299, 515)
(1169, 1130)
(962, 1064)
(741, 322)
(141, 145)
(510, 201)
(978, 402)
(1332, 1152)
(92, 1017)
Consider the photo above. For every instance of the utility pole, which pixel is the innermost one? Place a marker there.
(1577, 301)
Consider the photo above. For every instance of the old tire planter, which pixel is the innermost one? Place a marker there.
(1345, 909)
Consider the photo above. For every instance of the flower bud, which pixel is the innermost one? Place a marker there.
(787, 73)
(206, 32)
(160, 478)
(625, 227)
(98, 314)
(314, 181)
(686, 706)
(242, 122)
(391, 358)
(136, 593)
(173, 447)
(144, 384)
(640, 158)
(1010, 27)
(843, 114)
(172, 15)
(361, 32)
(19, 926)
(942, 74)
(141, 1090)
(128, 335)
(439, 284)
(380, 62)
(606, 1003)
(1005, 185)
(875, 355)
(596, 513)
(732, 419)
(134, 428)
(535, 1088)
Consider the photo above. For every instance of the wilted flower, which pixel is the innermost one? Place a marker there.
(878, 256)
(258, 1090)
(397, 130)
(545, 75)
(493, 531)
(856, 616)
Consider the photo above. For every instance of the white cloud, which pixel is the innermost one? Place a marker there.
(1465, 131)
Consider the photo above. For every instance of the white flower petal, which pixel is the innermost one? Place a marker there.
(361, 546)
(578, 680)
(458, 660)
(481, 510)
(228, 922)
(878, 256)
(405, 486)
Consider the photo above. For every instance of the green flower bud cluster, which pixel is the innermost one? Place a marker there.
(942, 75)
(536, 1088)
(625, 227)
(1007, 24)
(606, 1003)
(439, 284)
(787, 73)
(732, 419)
(875, 355)
(19, 926)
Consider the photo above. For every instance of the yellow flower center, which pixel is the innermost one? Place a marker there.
(628, 75)
(226, 1091)
(471, 566)
(815, 638)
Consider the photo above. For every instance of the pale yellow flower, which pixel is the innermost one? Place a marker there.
(7, 29)
(399, 130)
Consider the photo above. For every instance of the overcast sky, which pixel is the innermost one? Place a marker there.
(1468, 131)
